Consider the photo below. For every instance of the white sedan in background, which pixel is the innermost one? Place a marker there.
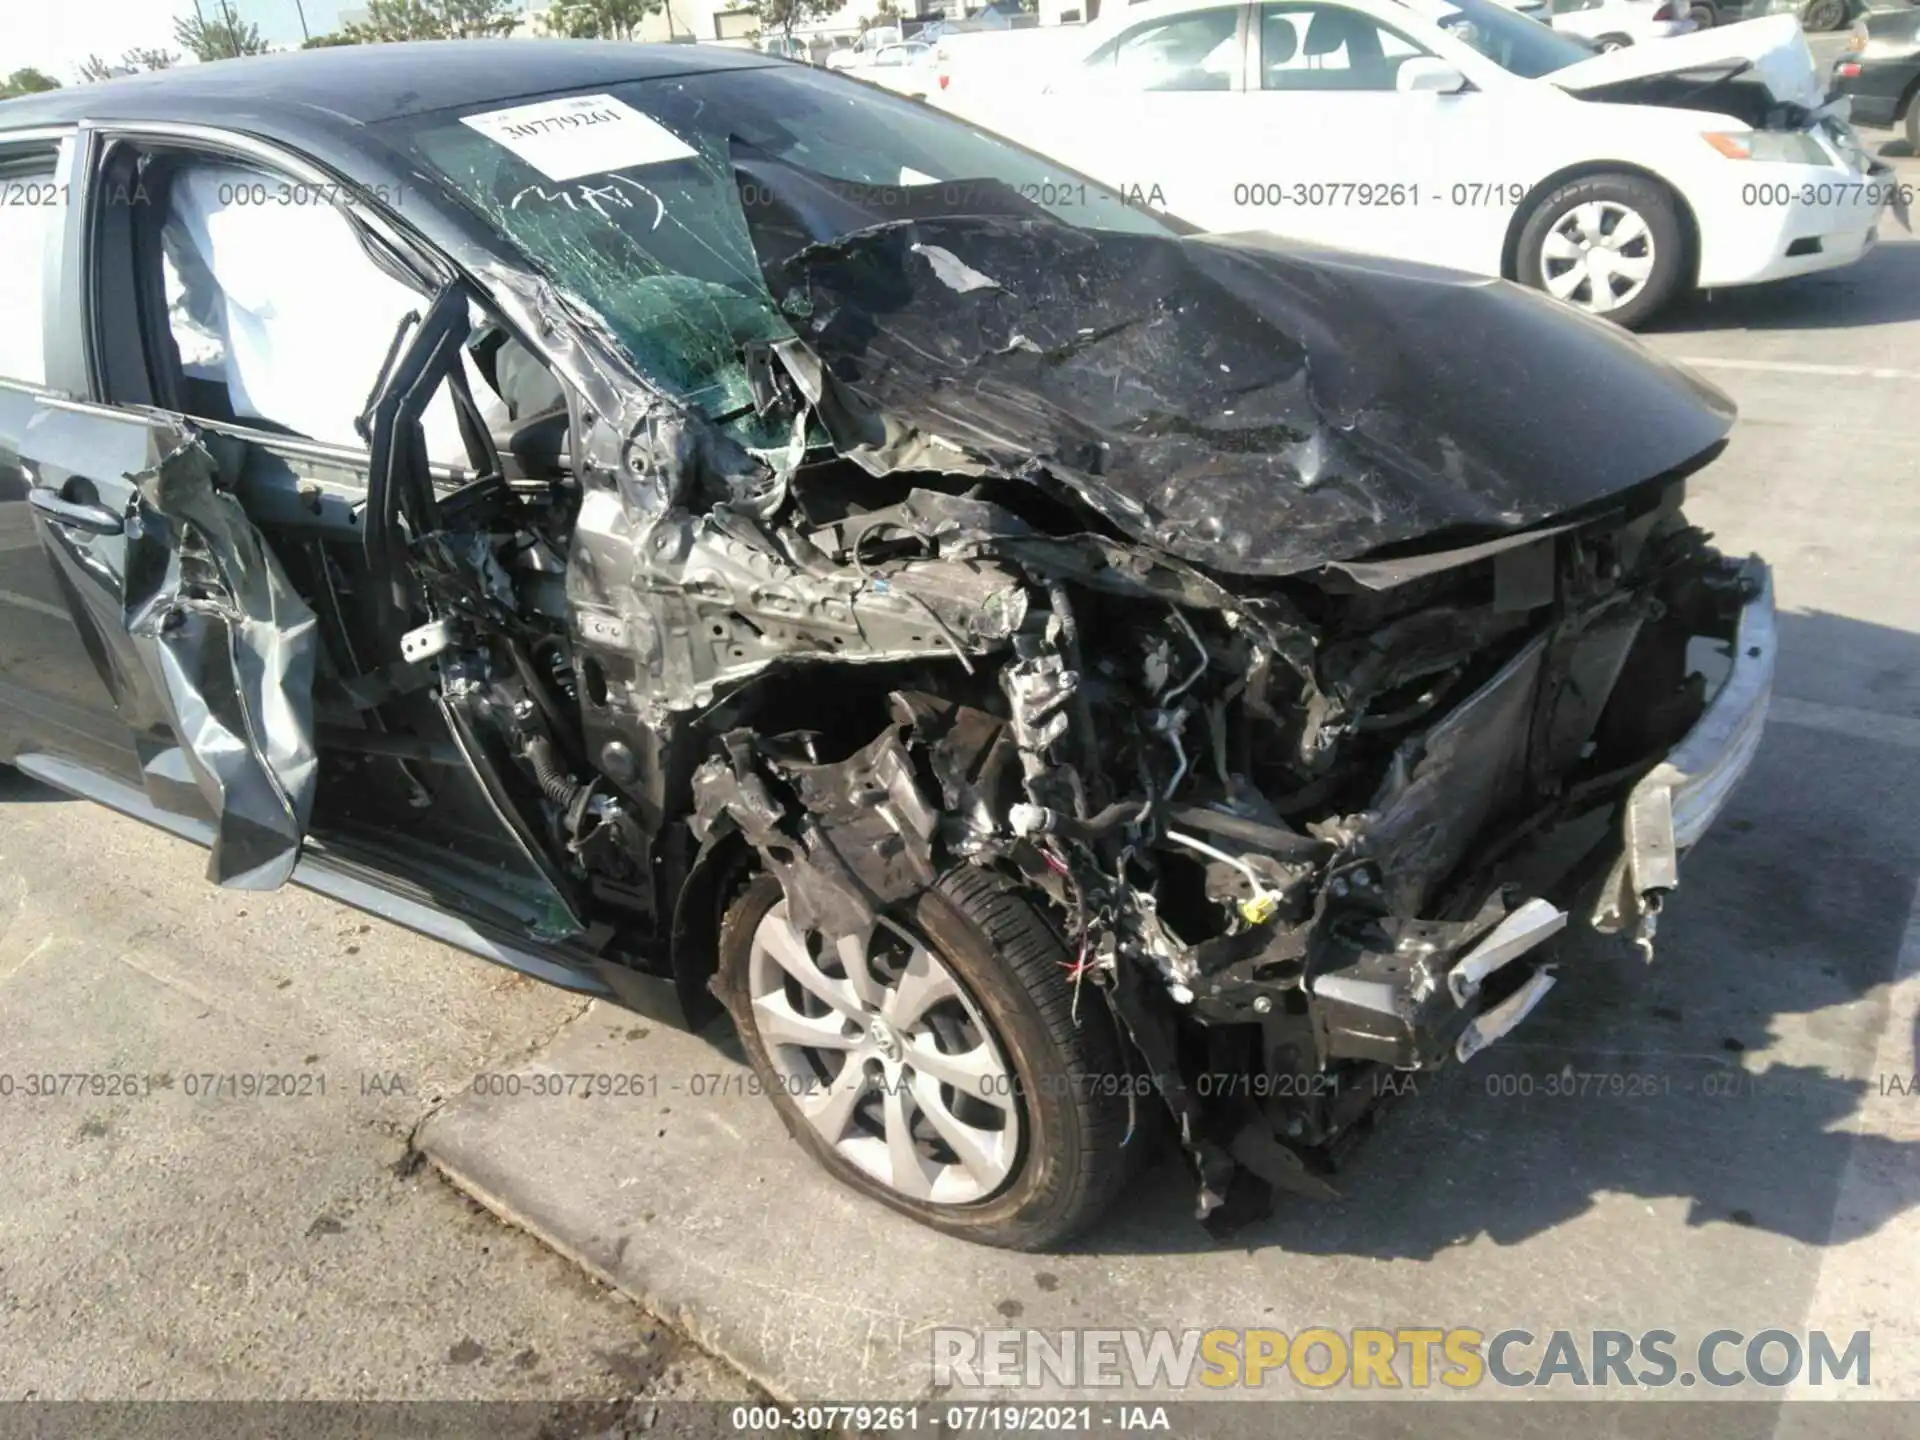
(1616, 24)
(905, 69)
(1460, 133)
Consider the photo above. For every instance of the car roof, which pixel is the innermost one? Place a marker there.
(369, 83)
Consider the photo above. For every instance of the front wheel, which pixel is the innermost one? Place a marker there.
(937, 1064)
(1610, 244)
(1613, 42)
(1703, 15)
(1823, 15)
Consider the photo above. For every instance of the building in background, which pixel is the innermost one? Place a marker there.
(695, 20)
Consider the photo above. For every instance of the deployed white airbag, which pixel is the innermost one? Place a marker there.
(282, 303)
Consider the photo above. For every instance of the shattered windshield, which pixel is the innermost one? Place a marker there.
(626, 198)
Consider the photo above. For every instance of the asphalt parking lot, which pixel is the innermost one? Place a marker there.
(1764, 1173)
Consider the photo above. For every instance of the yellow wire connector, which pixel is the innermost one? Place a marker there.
(1261, 908)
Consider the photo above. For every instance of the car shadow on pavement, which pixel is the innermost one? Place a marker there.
(18, 789)
(1723, 1075)
(1883, 288)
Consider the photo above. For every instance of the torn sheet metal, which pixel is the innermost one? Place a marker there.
(846, 839)
(1446, 783)
(1241, 403)
(231, 646)
(976, 764)
(1388, 574)
(687, 604)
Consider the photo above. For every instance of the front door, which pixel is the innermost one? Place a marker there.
(1150, 113)
(257, 363)
(1341, 152)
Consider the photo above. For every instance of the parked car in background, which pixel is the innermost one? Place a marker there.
(906, 69)
(786, 47)
(1463, 134)
(864, 47)
(1879, 72)
(714, 535)
(1009, 59)
(1706, 14)
(1616, 24)
(1818, 16)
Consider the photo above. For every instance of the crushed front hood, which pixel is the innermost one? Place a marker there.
(1774, 47)
(1241, 403)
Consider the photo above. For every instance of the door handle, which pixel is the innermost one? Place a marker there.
(94, 519)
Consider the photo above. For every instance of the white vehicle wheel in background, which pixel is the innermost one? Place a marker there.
(1703, 15)
(1610, 244)
(1613, 42)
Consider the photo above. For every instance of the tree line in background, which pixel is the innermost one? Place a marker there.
(215, 31)
(221, 36)
(389, 20)
(575, 19)
(27, 81)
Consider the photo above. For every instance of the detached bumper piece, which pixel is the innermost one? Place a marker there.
(1410, 1004)
(1669, 810)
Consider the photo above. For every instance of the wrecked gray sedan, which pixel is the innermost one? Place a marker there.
(711, 534)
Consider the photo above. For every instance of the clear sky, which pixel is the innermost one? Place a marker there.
(56, 35)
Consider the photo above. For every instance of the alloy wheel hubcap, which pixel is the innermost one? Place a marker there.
(887, 1057)
(884, 1040)
(1598, 256)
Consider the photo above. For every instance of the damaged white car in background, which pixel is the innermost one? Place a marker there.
(1461, 133)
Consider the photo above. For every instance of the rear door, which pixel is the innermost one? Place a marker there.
(52, 699)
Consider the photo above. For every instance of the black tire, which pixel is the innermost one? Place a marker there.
(1614, 42)
(1650, 200)
(1703, 15)
(1913, 124)
(1823, 15)
(1013, 965)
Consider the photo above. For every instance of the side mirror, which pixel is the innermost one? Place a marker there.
(1423, 72)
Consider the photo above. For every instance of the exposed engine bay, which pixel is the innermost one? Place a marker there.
(1286, 820)
(1271, 826)
(1307, 828)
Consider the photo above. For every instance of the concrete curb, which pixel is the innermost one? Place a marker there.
(1497, 1197)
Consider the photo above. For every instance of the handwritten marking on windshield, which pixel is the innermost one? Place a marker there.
(613, 190)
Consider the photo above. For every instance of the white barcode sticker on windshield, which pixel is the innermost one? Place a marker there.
(581, 135)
